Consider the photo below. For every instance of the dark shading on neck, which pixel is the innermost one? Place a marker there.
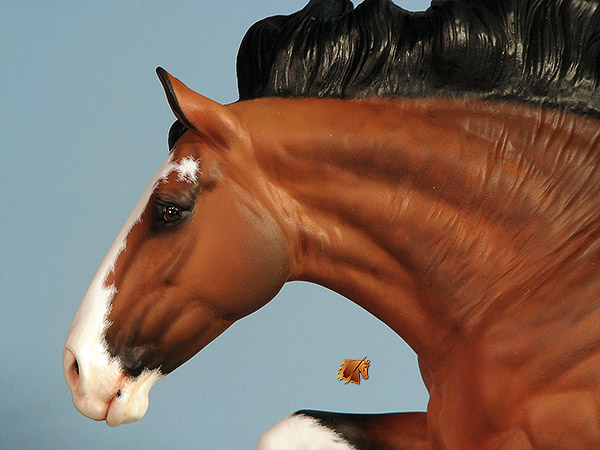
(543, 52)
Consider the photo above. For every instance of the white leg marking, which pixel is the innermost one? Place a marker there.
(299, 432)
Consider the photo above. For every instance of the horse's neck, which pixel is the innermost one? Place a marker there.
(426, 213)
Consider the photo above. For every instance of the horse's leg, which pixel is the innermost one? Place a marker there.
(321, 430)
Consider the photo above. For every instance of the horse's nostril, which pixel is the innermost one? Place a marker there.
(71, 367)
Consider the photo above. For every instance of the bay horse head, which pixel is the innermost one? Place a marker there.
(197, 253)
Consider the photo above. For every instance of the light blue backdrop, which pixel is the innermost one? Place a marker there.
(83, 128)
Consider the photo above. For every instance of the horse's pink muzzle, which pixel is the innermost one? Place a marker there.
(103, 392)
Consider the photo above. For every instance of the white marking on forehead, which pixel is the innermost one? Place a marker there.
(187, 169)
(298, 432)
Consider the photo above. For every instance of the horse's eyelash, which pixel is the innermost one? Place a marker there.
(161, 202)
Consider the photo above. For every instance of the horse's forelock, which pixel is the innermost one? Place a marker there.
(175, 132)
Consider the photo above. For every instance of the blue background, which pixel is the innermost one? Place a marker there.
(83, 129)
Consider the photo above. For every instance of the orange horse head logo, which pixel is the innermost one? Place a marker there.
(352, 369)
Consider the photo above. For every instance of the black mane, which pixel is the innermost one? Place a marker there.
(545, 52)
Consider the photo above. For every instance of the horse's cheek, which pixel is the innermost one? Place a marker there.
(261, 268)
(240, 261)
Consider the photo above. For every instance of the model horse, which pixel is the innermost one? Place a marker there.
(440, 169)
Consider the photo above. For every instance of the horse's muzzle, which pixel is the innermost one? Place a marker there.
(104, 392)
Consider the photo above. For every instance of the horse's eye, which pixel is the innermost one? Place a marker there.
(171, 214)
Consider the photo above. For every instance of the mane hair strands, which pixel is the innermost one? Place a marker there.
(544, 52)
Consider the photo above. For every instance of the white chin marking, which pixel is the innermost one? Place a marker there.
(100, 376)
(299, 432)
(131, 401)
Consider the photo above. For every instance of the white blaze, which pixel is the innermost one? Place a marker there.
(100, 376)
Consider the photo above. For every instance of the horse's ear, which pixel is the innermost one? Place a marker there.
(199, 113)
